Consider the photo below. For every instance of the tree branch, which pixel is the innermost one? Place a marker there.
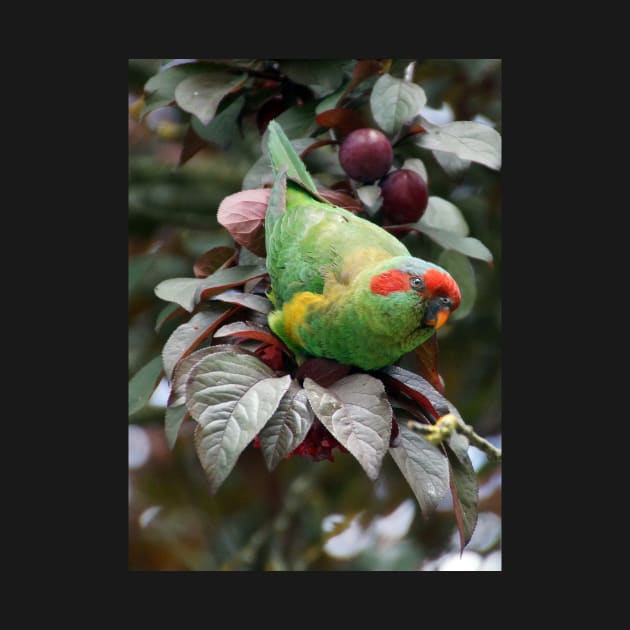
(449, 424)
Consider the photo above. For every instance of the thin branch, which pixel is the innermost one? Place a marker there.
(449, 424)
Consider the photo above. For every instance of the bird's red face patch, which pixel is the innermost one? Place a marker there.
(390, 281)
(440, 284)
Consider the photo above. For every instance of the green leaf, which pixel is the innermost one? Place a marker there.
(466, 245)
(160, 88)
(188, 292)
(464, 487)
(443, 215)
(462, 270)
(282, 154)
(287, 427)
(322, 76)
(201, 94)
(452, 165)
(179, 290)
(186, 337)
(173, 419)
(170, 311)
(394, 102)
(467, 140)
(298, 121)
(424, 466)
(220, 130)
(258, 175)
(231, 396)
(357, 412)
(143, 384)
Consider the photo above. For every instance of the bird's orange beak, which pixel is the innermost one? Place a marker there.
(441, 318)
(437, 314)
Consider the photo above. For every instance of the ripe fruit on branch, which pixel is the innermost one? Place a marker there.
(366, 154)
(405, 196)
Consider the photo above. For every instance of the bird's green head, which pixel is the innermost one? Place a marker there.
(410, 293)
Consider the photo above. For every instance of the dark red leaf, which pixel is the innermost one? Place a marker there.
(316, 145)
(416, 128)
(250, 330)
(364, 69)
(343, 186)
(457, 508)
(338, 198)
(409, 406)
(211, 260)
(318, 444)
(427, 362)
(191, 145)
(243, 214)
(211, 291)
(342, 120)
(271, 356)
(324, 372)
(394, 439)
(417, 388)
(464, 490)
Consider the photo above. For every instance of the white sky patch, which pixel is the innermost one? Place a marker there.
(161, 394)
(139, 446)
(382, 532)
(148, 515)
(441, 116)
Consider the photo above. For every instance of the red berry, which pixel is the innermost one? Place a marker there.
(366, 154)
(405, 196)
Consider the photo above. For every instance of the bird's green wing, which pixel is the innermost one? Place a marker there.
(313, 238)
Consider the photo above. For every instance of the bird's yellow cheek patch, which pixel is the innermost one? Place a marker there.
(295, 310)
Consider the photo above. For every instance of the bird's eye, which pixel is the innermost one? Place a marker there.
(416, 283)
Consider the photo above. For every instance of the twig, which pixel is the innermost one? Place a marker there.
(446, 426)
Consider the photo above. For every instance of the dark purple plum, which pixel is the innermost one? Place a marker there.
(366, 154)
(405, 196)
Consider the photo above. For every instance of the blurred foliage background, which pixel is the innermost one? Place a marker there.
(304, 515)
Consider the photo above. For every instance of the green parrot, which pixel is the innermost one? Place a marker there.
(343, 288)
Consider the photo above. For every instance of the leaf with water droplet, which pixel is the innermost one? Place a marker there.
(201, 94)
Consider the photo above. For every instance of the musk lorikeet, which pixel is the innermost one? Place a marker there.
(343, 288)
